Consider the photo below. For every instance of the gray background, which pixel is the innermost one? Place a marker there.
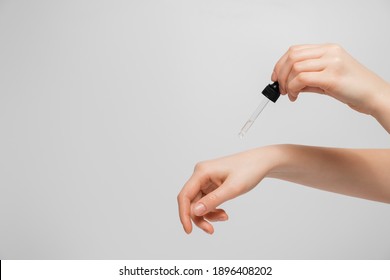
(106, 106)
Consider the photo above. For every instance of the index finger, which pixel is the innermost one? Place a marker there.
(188, 193)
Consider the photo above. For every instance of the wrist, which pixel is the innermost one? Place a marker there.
(381, 106)
(279, 158)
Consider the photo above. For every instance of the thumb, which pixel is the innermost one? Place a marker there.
(212, 200)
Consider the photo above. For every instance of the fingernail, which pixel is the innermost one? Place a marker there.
(199, 209)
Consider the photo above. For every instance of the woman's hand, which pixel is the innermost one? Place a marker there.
(330, 70)
(216, 181)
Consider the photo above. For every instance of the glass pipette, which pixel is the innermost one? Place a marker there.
(271, 92)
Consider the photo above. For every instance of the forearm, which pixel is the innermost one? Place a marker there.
(359, 173)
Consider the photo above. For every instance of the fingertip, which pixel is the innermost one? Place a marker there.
(201, 223)
(222, 216)
(186, 224)
(185, 220)
(187, 228)
(292, 98)
(226, 217)
(222, 219)
(219, 215)
(209, 230)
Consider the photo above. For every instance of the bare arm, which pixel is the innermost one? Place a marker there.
(359, 173)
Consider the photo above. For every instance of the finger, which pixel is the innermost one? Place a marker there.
(228, 190)
(308, 81)
(309, 65)
(218, 215)
(294, 57)
(185, 197)
(184, 212)
(201, 223)
(281, 61)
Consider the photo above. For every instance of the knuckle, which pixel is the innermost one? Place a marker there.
(292, 48)
(276, 69)
(335, 48)
(335, 65)
(292, 52)
(201, 167)
(301, 78)
(181, 197)
(336, 62)
(296, 68)
(291, 56)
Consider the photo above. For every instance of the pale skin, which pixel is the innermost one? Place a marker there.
(364, 173)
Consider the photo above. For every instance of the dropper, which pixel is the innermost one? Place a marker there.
(270, 92)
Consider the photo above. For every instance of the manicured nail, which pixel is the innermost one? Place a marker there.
(199, 209)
